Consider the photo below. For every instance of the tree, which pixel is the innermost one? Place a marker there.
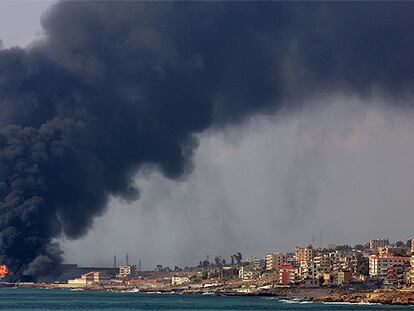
(239, 258)
(400, 244)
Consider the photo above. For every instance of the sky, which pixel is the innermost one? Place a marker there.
(20, 21)
(338, 166)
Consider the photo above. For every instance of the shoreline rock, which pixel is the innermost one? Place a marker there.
(386, 297)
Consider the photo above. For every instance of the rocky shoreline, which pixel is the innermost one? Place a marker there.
(389, 297)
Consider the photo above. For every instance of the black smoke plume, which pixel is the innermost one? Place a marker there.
(115, 86)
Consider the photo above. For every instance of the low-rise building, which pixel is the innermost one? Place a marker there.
(145, 283)
(258, 263)
(228, 272)
(90, 278)
(179, 280)
(309, 282)
(330, 278)
(249, 272)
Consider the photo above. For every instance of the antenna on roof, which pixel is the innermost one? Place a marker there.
(320, 239)
(139, 267)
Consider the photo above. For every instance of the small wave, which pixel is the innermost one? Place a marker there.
(134, 290)
(271, 298)
(348, 303)
(208, 293)
(295, 300)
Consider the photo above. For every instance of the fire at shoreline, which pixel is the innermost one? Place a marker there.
(4, 271)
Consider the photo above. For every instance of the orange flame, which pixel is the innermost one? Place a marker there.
(3, 271)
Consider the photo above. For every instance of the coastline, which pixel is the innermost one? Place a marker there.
(383, 296)
(321, 294)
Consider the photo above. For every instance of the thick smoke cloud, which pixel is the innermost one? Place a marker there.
(119, 86)
(342, 166)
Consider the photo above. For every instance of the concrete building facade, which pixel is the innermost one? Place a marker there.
(273, 261)
(127, 271)
(286, 275)
(304, 254)
(374, 245)
(378, 265)
(90, 278)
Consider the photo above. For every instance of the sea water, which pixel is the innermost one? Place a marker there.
(65, 299)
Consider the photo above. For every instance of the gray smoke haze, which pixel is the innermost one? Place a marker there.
(343, 167)
(116, 90)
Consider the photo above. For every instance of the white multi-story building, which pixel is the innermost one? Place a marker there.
(378, 265)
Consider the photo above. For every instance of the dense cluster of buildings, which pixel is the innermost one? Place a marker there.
(378, 263)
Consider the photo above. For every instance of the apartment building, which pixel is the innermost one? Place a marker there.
(322, 263)
(286, 275)
(411, 273)
(273, 261)
(374, 245)
(305, 254)
(378, 265)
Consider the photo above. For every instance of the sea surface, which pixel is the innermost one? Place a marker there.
(65, 299)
